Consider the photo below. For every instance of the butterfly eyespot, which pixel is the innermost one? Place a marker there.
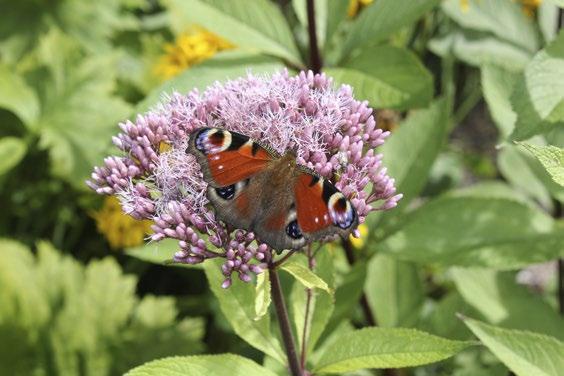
(226, 193)
(293, 230)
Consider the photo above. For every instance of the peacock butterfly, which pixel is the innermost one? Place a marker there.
(254, 188)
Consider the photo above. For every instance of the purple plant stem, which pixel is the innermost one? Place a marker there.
(315, 56)
(284, 322)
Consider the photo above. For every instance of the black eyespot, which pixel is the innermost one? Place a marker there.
(226, 193)
(293, 230)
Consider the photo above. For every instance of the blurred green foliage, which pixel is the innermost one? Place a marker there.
(463, 79)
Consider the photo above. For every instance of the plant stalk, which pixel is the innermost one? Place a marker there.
(309, 294)
(284, 321)
(314, 54)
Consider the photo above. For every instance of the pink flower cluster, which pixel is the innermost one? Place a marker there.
(328, 129)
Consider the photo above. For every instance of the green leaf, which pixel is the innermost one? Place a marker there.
(394, 291)
(478, 48)
(223, 66)
(259, 26)
(538, 98)
(498, 84)
(17, 97)
(12, 150)
(321, 303)
(160, 253)
(263, 297)
(79, 112)
(560, 3)
(551, 157)
(238, 305)
(388, 77)
(502, 18)
(386, 348)
(514, 166)
(305, 276)
(409, 154)
(441, 317)
(381, 19)
(525, 353)
(347, 294)
(502, 302)
(476, 231)
(202, 365)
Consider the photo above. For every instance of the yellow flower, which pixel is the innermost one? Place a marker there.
(120, 229)
(358, 243)
(188, 49)
(356, 6)
(530, 6)
(465, 5)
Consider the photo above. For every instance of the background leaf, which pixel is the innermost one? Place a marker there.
(385, 348)
(202, 365)
(260, 27)
(387, 77)
(538, 97)
(525, 353)
(498, 298)
(12, 150)
(225, 65)
(380, 20)
(238, 305)
(475, 231)
(17, 96)
(552, 158)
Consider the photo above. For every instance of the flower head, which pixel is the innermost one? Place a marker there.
(328, 130)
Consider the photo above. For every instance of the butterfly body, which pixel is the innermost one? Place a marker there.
(256, 189)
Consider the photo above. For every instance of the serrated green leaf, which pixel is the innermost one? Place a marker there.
(394, 291)
(263, 297)
(17, 96)
(380, 20)
(61, 317)
(551, 157)
(305, 276)
(504, 19)
(257, 27)
(238, 305)
(387, 77)
(525, 353)
(223, 66)
(386, 348)
(12, 150)
(202, 365)
(79, 112)
(538, 98)
(502, 302)
(476, 231)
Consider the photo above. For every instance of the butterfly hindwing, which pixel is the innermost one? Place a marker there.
(322, 209)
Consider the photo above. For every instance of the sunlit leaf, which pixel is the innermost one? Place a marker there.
(202, 365)
(385, 348)
(525, 353)
(238, 305)
(12, 150)
(551, 157)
